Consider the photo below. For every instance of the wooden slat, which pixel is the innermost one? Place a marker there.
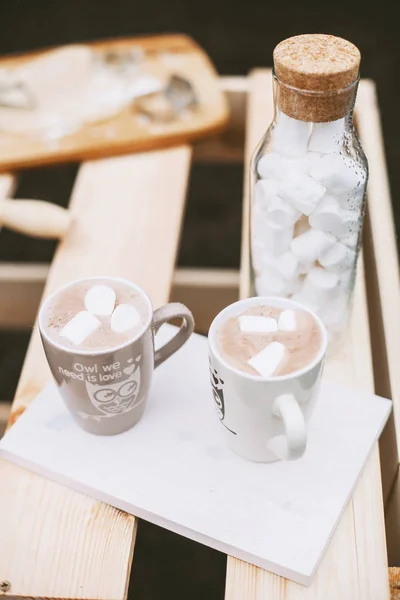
(354, 566)
(56, 543)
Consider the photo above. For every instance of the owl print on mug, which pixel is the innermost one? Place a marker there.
(218, 393)
(116, 398)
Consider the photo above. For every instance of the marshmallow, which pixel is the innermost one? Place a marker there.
(337, 173)
(350, 240)
(310, 245)
(268, 360)
(270, 284)
(80, 327)
(100, 300)
(327, 137)
(287, 321)
(331, 218)
(270, 166)
(281, 213)
(319, 285)
(290, 136)
(124, 318)
(337, 257)
(276, 238)
(302, 192)
(254, 324)
(285, 266)
(308, 161)
(265, 192)
(345, 278)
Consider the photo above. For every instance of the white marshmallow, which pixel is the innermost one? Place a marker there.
(304, 267)
(268, 360)
(265, 192)
(281, 213)
(100, 300)
(345, 278)
(337, 173)
(290, 136)
(331, 218)
(270, 284)
(276, 238)
(350, 240)
(337, 258)
(302, 192)
(319, 285)
(327, 137)
(254, 324)
(310, 245)
(80, 327)
(270, 166)
(285, 266)
(308, 161)
(124, 318)
(287, 321)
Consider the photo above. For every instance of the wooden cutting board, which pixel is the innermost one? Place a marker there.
(128, 131)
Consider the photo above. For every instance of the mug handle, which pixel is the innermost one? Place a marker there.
(166, 313)
(286, 408)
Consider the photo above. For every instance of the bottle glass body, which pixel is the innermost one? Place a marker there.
(308, 182)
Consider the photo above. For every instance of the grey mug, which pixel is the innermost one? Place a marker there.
(106, 390)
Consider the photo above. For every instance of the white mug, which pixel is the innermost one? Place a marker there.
(264, 419)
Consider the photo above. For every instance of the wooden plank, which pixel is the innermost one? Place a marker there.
(21, 287)
(383, 279)
(354, 566)
(128, 214)
(206, 291)
(128, 130)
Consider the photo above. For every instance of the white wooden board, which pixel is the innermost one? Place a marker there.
(174, 470)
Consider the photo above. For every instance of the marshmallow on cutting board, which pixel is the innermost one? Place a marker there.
(269, 359)
(100, 300)
(80, 327)
(257, 324)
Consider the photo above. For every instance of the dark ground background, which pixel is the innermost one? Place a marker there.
(238, 36)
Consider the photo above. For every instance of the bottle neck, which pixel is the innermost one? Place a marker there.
(314, 107)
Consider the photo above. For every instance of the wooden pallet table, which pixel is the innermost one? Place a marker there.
(58, 544)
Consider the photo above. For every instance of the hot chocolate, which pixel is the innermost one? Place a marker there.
(269, 341)
(95, 314)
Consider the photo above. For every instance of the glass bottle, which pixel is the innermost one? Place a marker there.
(308, 180)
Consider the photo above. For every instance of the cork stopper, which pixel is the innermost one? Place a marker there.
(322, 69)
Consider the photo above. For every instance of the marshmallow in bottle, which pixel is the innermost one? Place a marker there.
(330, 217)
(319, 286)
(269, 283)
(337, 174)
(290, 136)
(271, 166)
(287, 321)
(327, 138)
(334, 313)
(275, 237)
(100, 300)
(285, 266)
(265, 192)
(350, 240)
(80, 327)
(124, 317)
(282, 213)
(302, 193)
(255, 324)
(269, 359)
(337, 258)
(309, 246)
